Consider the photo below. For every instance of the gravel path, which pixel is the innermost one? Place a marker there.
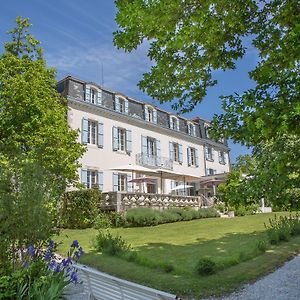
(283, 284)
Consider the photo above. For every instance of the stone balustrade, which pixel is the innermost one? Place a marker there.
(121, 201)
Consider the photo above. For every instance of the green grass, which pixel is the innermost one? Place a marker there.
(182, 244)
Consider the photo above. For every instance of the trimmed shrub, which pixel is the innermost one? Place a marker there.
(102, 220)
(80, 208)
(117, 219)
(113, 245)
(143, 217)
(206, 266)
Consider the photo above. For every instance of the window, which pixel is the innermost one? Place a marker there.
(151, 146)
(92, 132)
(174, 123)
(175, 152)
(191, 129)
(206, 131)
(209, 153)
(92, 179)
(192, 154)
(210, 172)
(121, 105)
(122, 182)
(122, 140)
(150, 155)
(93, 96)
(222, 159)
(150, 114)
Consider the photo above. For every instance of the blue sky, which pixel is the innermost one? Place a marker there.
(77, 37)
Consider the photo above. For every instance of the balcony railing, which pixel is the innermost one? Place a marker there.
(153, 161)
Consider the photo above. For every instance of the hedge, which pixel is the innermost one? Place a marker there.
(80, 208)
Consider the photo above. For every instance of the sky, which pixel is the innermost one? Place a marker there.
(77, 38)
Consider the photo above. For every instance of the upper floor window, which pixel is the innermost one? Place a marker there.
(192, 155)
(191, 128)
(92, 179)
(122, 139)
(174, 123)
(175, 152)
(93, 95)
(222, 159)
(210, 171)
(150, 114)
(206, 131)
(122, 182)
(92, 132)
(121, 105)
(209, 154)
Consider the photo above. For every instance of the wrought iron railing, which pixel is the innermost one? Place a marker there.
(153, 161)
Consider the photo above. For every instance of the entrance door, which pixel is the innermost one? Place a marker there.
(151, 188)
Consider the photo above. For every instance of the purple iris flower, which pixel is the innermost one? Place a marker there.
(48, 255)
(52, 265)
(31, 250)
(74, 277)
(51, 244)
(75, 244)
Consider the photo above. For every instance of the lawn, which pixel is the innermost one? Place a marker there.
(181, 245)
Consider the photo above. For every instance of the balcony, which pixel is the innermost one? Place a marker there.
(151, 161)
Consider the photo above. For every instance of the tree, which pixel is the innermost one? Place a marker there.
(190, 39)
(38, 151)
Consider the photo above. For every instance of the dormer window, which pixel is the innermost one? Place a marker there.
(206, 131)
(191, 129)
(121, 105)
(174, 123)
(93, 95)
(150, 114)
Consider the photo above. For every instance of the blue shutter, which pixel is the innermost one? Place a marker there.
(115, 139)
(100, 135)
(84, 177)
(144, 145)
(212, 153)
(129, 184)
(154, 116)
(173, 185)
(194, 130)
(206, 152)
(158, 153)
(115, 182)
(99, 97)
(126, 106)
(180, 154)
(128, 141)
(196, 158)
(171, 150)
(85, 131)
(146, 113)
(189, 156)
(117, 103)
(88, 94)
(171, 122)
(100, 180)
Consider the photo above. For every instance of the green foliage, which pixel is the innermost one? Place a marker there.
(262, 246)
(117, 219)
(113, 245)
(80, 208)
(38, 151)
(150, 217)
(282, 228)
(206, 266)
(102, 221)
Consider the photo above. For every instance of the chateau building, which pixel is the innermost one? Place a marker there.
(128, 140)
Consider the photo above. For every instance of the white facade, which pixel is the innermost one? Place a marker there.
(115, 138)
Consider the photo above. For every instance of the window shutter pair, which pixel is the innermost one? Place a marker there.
(115, 138)
(100, 135)
(84, 179)
(88, 94)
(155, 116)
(100, 180)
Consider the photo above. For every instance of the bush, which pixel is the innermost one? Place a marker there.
(113, 245)
(262, 246)
(143, 217)
(206, 266)
(80, 208)
(102, 221)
